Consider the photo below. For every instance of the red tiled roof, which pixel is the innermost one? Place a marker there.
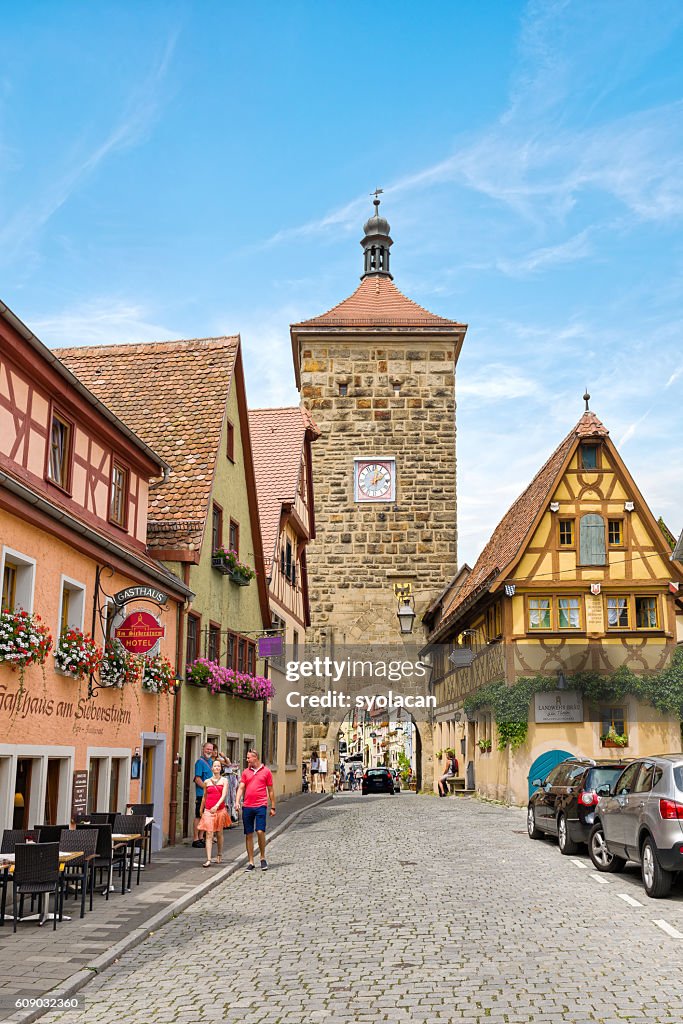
(378, 302)
(173, 394)
(514, 527)
(277, 442)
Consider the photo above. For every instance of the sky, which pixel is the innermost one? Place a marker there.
(177, 170)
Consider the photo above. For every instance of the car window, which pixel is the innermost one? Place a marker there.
(678, 777)
(603, 777)
(377, 771)
(659, 774)
(626, 780)
(575, 774)
(560, 775)
(644, 781)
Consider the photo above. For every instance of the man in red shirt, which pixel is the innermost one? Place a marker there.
(256, 787)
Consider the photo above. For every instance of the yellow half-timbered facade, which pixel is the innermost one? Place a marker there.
(575, 596)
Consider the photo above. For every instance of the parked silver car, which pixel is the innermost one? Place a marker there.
(640, 818)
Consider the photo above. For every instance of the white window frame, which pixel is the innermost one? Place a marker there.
(106, 754)
(26, 577)
(74, 587)
(9, 754)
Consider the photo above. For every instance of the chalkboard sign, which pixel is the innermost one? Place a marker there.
(79, 795)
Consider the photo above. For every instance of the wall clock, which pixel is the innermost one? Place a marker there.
(374, 479)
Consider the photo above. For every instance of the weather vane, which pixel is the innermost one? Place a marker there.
(377, 193)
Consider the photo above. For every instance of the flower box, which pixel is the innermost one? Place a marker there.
(615, 743)
(239, 578)
(24, 640)
(227, 561)
(219, 563)
(77, 654)
(219, 679)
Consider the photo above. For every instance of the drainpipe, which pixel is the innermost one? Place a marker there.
(180, 641)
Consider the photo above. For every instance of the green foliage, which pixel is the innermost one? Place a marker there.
(510, 704)
(403, 765)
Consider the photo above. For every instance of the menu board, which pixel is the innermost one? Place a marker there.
(79, 794)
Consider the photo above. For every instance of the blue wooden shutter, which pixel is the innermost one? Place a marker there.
(592, 540)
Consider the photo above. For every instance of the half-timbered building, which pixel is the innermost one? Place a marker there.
(575, 586)
(74, 487)
(281, 441)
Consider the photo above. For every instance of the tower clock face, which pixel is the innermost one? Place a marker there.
(374, 480)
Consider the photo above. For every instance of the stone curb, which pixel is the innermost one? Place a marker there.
(77, 981)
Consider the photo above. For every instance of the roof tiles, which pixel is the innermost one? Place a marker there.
(378, 302)
(173, 394)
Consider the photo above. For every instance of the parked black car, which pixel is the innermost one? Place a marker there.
(565, 803)
(377, 780)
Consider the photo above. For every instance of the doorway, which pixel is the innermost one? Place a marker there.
(50, 814)
(22, 792)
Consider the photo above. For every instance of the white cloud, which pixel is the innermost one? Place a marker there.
(99, 322)
(497, 383)
(573, 249)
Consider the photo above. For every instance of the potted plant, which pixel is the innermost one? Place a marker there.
(228, 562)
(77, 654)
(220, 679)
(612, 738)
(118, 666)
(219, 561)
(484, 746)
(24, 640)
(158, 675)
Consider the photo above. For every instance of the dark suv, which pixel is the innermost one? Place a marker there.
(564, 805)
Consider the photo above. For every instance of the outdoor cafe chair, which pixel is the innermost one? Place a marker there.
(101, 818)
(80, 871)
(148, 811)
(131, 824)
(104, 853)
(50, 834)
(36, 873)
(12, 836)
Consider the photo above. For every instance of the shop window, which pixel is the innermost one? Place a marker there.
(539, 613)
(618, 613)
(18, 577)
(566, 528)
(592, 540)
(646, 613)
(59, 463)
(568, 613)
(118, 502)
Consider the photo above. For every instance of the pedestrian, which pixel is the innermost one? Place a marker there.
(256, 788)
(359, 776)
(342, 777)
(315, 768)
(322, 773)
(451, 766)
(214, 817)
(202, 772)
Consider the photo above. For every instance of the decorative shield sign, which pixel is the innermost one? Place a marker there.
(139, 632)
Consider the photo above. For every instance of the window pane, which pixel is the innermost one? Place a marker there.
(539, 613)
(59, 447)
(568, 608)
(646, 612)
(617, 612)
(589, 456)
(566, 533)
(615, 533)
(613, 718)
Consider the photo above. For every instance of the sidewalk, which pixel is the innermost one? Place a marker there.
(36, 960)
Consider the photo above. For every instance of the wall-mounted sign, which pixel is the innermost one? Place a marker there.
(140, 594)
(79, 794)
(139, 632)
(269, 647)
(558, 706)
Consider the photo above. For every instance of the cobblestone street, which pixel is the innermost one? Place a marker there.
(407, 909)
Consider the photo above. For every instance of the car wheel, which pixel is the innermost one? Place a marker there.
(564, 840)
(656, 880)
(599, 853)
(531, 827)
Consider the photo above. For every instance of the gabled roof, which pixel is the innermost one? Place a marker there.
(377, 302)
(508, 537)
(277, 439)
(678, 550)
(174, 394)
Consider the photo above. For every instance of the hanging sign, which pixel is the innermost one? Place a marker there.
(140, 594)
(558, 706)
(139, 632)
(269, 647)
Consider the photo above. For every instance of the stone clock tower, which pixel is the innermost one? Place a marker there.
(377, 374)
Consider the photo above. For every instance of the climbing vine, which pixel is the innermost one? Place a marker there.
(510, 704)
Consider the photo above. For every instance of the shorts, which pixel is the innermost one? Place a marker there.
(254, 817)
(198, 806)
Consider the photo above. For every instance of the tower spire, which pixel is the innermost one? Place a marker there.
(376, 243)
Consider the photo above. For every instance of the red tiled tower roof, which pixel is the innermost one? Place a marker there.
(377, 302)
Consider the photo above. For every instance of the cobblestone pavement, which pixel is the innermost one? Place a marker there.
(407, 909)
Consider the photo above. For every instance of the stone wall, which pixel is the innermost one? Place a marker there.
(361, 549)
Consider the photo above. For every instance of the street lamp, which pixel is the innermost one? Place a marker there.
(406, 607)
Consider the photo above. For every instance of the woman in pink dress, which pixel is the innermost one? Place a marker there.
(214, 817)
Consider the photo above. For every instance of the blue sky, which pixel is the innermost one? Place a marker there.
(182, 170)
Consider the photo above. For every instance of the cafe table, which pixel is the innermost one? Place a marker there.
(7, 864)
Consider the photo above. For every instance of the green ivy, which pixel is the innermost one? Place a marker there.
(510, 704)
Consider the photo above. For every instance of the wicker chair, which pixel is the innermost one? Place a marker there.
(12, 836)
(131, 824)
(80, 871)
(50, 834)
(102, 818)
(104, 854)
(148, 811)
(36, 872)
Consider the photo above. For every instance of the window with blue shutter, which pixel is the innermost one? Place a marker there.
(592, 540)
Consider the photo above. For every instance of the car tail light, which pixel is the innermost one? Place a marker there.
(670, 810)
(365, 777)
(588, 799)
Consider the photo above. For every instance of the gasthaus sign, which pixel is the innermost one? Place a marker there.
(558, 706)
(139, 632)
